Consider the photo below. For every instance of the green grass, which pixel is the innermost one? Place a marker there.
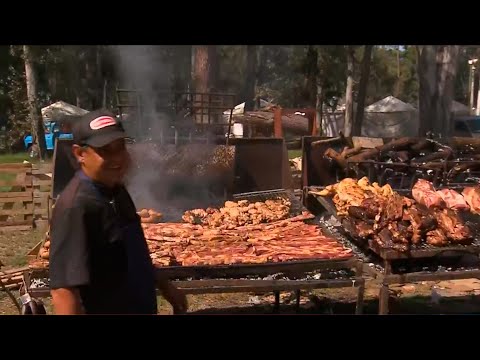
(20, 157)
(14, 158)
(294, 153)
(6, 177)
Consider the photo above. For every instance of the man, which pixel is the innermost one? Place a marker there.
(99, 259)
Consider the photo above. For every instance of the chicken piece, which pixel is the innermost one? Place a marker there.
(471, 195)
(143, 213)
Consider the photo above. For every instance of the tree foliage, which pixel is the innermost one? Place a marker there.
(289, 75)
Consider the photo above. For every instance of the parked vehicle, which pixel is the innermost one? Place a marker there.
(467, 126)
(53, 130)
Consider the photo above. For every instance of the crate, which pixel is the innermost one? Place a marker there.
(16, 197)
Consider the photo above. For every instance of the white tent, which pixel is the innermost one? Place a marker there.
(459, 109)
(390, 117)
(61, 108)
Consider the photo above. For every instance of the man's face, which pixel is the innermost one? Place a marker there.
(107, 165)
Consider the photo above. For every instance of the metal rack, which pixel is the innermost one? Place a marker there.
(389, 259)
(318, 172)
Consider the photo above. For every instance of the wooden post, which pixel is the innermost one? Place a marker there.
(277, 123)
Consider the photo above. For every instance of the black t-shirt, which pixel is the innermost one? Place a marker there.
(98, 245)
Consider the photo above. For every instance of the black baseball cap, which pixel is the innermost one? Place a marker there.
(97, 128)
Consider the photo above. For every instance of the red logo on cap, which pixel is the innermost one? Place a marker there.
(101, 122)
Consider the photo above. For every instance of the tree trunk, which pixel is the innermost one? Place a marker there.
(362, 90)
(437, 68)
(205, 68)
(319, 108)
(104, 95)
(93, 78)
(311, 74)
(349, 93)
(397, 90)
(250, 78)
(320, 91)
(35, 112)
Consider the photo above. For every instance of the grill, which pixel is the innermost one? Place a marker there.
(422, 251)
(273, 277)
(424, 263)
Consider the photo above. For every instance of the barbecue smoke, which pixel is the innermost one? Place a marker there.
(170, 179)
(142, 68)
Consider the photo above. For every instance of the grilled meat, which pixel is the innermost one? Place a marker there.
(453, 227)
(282, 240)
(372, 207)
(358, 227)
(453, 200)
(150, 216)
(384, 239)
(436, 238)
(239, 213)
(394, 221)
(392, 209)
(420, 222)
(424, 193)
(471, 195)
(362, 213)
(400, 232)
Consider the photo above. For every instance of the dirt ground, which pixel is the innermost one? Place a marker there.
(444, 297)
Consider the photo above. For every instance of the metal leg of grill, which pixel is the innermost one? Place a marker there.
(383, 298)
(276, 308)
(360, 296)
(297, 304)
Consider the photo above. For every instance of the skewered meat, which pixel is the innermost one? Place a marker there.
(424, 193)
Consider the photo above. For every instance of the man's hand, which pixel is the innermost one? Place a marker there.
(176, 298)
(66, 301)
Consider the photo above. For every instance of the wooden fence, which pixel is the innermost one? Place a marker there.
(24, 195)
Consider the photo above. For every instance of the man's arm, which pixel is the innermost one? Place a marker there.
(66, 301)
(175, 297)
(69, 260)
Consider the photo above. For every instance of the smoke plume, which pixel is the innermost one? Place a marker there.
(166, 178)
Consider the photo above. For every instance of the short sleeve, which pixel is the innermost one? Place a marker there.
(69, 250)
